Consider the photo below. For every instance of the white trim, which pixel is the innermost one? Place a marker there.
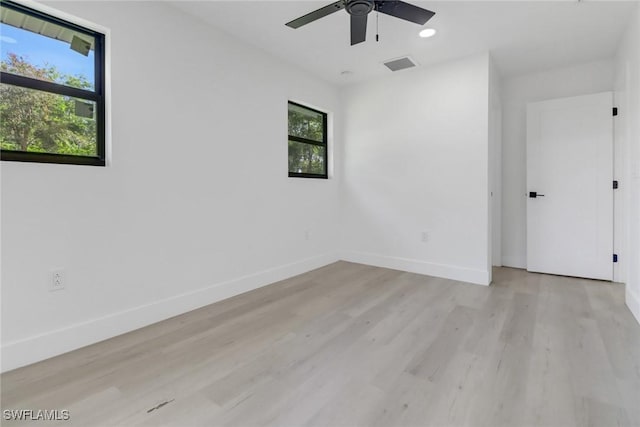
(633, 302)
(453, 272)
(39, 347)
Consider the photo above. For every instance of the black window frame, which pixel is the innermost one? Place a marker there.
(322, 143)
(97, 96)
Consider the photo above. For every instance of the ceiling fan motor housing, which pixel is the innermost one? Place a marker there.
(359, 7)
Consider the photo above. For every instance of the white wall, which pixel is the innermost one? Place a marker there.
(627, 85)
(196, 205)
(495, 164)
(516, 93)
(416, 159)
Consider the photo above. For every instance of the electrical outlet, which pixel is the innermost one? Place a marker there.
(57, 280)
(424, 236)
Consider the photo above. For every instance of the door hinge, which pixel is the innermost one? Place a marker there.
(615, 257)
(615, 111)
(615, 185)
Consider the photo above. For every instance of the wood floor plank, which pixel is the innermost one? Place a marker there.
(353, 345)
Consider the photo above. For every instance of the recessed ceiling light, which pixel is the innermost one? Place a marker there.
(427, 32)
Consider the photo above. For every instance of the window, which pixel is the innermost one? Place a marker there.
(52, 106)
(307, 142)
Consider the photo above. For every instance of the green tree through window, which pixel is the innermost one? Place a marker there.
(307, 142)
(37, 121)
(52, 103)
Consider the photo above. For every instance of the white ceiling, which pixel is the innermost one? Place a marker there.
(523, 36)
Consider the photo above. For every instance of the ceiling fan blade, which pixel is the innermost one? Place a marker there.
(358, 29)
(405, 11)
(317, 14)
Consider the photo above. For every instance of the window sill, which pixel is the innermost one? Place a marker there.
(64, 159)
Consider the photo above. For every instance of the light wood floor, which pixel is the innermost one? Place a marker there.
(354, 345)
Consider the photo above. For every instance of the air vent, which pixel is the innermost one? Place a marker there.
(400, 63)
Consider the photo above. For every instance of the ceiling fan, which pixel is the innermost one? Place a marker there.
(359, 9)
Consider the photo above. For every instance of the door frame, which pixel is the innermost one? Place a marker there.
(617, 199)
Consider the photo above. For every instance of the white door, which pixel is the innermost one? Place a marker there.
(570, 186)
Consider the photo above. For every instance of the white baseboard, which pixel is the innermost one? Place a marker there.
(478, 277)
(43, 346)
(633, 302)
(514, 261)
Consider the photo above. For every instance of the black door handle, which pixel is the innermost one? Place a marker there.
(533, 194)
